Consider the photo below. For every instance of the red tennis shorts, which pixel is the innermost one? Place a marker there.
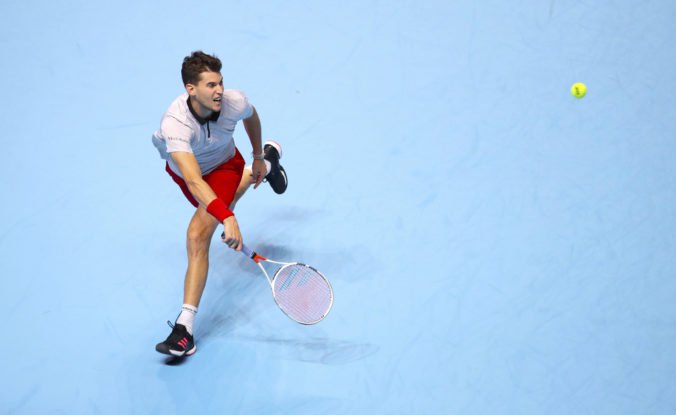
(224, 180)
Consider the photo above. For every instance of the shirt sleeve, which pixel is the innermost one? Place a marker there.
(238, 106)
(176, 135)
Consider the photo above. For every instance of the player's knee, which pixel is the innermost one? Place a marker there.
(198, 238)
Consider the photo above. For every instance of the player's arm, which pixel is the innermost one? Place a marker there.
(190, 170)
(252, 125)
(192, 175)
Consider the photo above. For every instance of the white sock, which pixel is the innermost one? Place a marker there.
(187, 316)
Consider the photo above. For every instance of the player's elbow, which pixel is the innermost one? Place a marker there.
(193, 183)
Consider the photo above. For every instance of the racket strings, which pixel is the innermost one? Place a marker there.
(302, 293)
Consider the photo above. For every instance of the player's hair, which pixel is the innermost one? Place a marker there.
(197, 63)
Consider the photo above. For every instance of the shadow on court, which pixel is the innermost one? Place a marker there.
(175, 361)
(317, 350)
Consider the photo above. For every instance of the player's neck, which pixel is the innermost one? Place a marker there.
(199, 110)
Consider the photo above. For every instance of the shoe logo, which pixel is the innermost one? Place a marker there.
(183, 342)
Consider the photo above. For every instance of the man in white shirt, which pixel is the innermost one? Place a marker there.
(196, 140)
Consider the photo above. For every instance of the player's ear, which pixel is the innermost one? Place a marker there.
(190, 88)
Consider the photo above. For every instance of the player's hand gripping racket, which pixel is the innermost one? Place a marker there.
(301, 292)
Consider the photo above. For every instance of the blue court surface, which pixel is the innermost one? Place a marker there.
(496, 246)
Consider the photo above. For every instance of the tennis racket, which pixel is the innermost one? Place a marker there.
(301, 291)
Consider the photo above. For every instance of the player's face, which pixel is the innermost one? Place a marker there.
(207, 93)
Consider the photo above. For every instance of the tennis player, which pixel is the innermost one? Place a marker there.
(196, 140)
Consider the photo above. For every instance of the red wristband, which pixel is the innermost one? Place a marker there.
(218, 210)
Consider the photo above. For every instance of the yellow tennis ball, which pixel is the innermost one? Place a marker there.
(578, 90)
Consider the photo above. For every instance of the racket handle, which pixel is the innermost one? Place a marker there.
(245, 249)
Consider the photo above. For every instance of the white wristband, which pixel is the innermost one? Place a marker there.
(258, 156)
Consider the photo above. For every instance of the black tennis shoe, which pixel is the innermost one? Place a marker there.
(276, 177)
(179, 343)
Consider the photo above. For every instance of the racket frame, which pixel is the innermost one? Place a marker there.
(257, 258)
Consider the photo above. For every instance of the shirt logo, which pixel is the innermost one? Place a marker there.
(178, 139)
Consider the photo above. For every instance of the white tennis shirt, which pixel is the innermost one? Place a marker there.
(210, 140)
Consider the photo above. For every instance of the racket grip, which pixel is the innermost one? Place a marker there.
(246, 251)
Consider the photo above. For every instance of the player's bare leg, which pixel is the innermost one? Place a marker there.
(200, 232)
(247, 180)
(181, 342)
